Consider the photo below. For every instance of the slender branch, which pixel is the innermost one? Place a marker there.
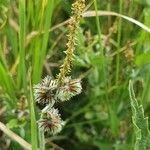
(15, 137)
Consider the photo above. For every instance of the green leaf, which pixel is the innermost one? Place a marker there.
(21, 78)
(3, 16)
(13, 123)
(143, 2)
(6, 82)
(140, 123)
(142, 59)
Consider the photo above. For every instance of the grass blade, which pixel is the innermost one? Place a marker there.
(110, 13)
(21, 67)
(41, 47)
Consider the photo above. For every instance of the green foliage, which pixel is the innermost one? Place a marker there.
(22, 33)
(143, 59)
(109, 51)
(14, 123)
(3, 18)
(140, 123)
(39, 46)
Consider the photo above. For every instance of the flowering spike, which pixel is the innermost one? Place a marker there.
(77, 9)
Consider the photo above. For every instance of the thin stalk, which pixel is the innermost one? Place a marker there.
(41, 139)
(33, 122)
(146, 90)
(111, 111)
(98, 28)
(118, 43)
(100, 38)
(118, 65)
(109, 9)
(15, 137)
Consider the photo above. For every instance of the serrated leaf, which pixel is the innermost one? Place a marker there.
(140, 123)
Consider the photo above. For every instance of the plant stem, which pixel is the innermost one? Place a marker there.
(118, 43)
(145, 94)
(41, 139)
(33, 122)
(111, 112)
(98, 28)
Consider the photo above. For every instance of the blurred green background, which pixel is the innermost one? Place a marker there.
(32, 41)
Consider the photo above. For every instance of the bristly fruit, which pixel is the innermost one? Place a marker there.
(69, 88)
(51, 121)
(44, 92)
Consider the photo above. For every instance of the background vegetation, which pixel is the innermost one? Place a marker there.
(109, 51)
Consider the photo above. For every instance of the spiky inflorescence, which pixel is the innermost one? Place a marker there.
(77, 9)
(69, 88)
(51, 121)
(44, 92)
(63, 88)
